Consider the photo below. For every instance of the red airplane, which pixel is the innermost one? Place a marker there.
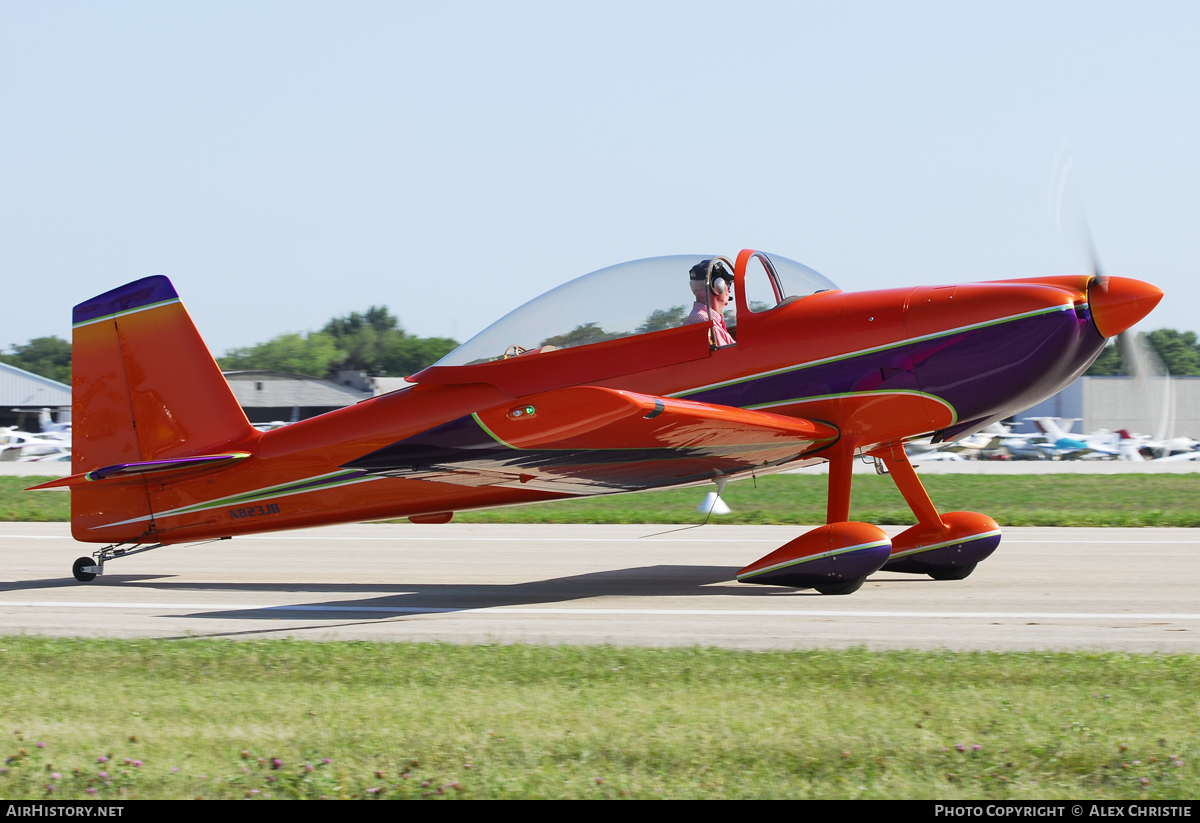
(609, 383)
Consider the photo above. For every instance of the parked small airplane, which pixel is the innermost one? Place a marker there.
(20, 445)
(664, 372)
(1062, 442)
(983, 444)
(53, 442)
(49, 427)
(1137, 447)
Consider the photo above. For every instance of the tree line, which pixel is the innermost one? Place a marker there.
(47, 356)
(1178, 351)
(373, 342)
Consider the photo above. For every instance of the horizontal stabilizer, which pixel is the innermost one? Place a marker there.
(122, 471)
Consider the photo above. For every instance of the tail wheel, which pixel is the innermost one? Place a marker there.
(77, 569)
(842, 587)
(956, 573)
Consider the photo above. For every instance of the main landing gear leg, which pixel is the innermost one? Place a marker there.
(945, 547)
(835, 558)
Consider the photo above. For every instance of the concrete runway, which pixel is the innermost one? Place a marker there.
(1099, 589)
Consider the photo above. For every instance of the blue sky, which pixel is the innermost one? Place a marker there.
(286, 162)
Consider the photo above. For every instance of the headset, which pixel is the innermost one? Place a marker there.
(721, 268)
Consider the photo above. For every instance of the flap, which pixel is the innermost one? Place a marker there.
(587, 439)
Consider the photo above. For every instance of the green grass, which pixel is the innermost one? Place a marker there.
(522, 721)
(1020, 500)
(18, 505)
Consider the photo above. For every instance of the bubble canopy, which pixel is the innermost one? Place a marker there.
(627, 299)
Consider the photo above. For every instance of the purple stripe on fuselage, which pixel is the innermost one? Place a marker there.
(995, 372)
(889, 370)
(997, 369)
(144, 292)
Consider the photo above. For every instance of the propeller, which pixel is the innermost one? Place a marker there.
(1099, 285)
(1118, 303)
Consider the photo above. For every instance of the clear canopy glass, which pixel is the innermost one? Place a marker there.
(638, 297)
(771, 281)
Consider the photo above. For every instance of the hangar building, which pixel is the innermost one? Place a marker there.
(24, 394)
(1158, 406)
(268, 396)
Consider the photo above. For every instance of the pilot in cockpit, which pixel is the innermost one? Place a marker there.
(718, 293)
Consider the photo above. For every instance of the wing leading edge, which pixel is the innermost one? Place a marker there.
(592, 440)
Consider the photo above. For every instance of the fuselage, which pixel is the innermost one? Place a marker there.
(879, 366)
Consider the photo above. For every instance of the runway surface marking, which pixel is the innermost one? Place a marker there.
(725, 540)
(502, 610)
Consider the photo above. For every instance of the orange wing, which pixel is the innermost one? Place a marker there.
(591, 440)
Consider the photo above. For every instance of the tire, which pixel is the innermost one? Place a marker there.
(956, 573)
(842, 587)
(77, 569)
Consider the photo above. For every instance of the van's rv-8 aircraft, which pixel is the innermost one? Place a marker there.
(579, 393)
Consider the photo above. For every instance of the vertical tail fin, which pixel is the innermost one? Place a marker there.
(144, 387)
